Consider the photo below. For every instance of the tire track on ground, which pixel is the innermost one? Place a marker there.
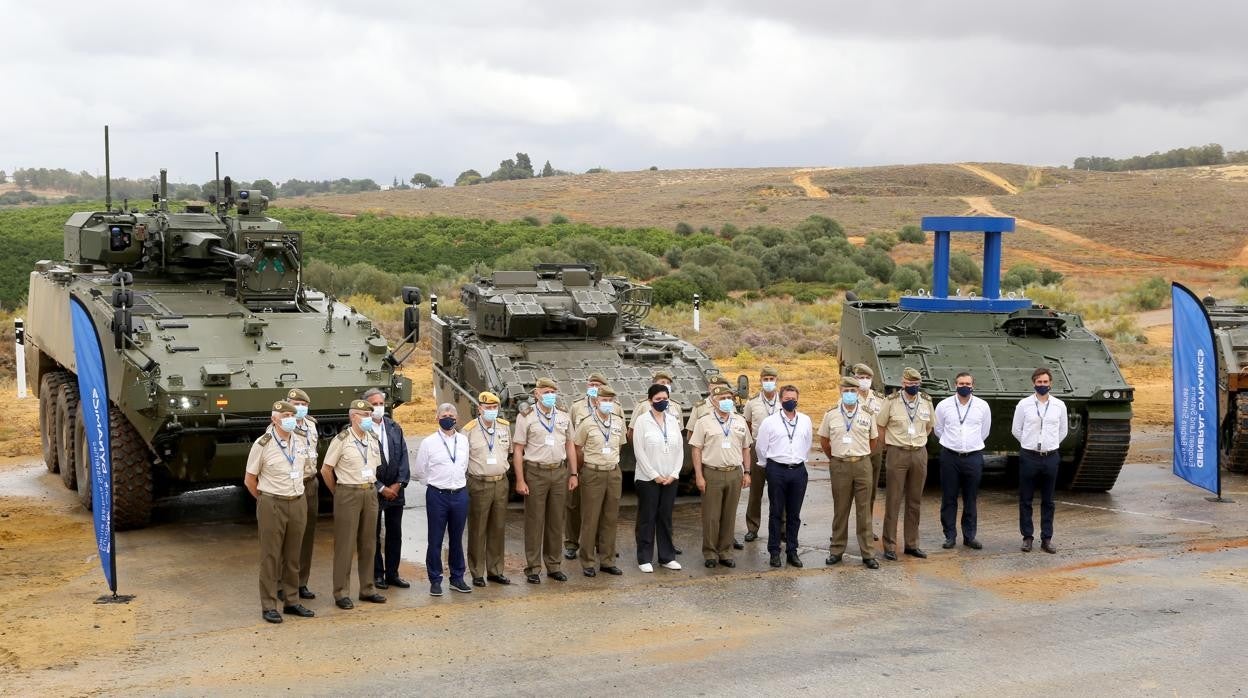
(813, 191)
(990, 177)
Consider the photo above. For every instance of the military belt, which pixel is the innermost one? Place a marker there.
(543, 466)
(487, 478)
(722, 468)
(283, 497)
(368, 486)
(600, 468)
(908, 448)
(849, 459)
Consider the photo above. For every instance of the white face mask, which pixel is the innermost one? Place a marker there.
(864, 383)
(769, 386)
(379, 411)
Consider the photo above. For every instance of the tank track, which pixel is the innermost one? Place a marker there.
(1237, 459)
(1104, 451)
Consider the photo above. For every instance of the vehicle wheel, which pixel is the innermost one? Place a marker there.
(132, 471)
(67, 421)
(49, 387)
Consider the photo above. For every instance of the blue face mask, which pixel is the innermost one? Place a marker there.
(769, 386)
(661, 405)
(727, 405)
(592, 391)
(489, 415)
(789, 405)
(549, 399)
(849, 398)
(288, 423)
(965, 390)
(1043, 389)
(606, 407)
(301, 411)
(911, 389)
(366, 424)
(447, 423)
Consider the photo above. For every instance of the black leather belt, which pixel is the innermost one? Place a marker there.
(1034, 452)
(787, 466)
(962, 453)
(444, 491)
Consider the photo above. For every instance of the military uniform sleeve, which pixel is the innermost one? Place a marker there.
(749, 439)
(581, 434)
(522, 425)
(698, 435)
(333, 453)
(253, 459)
(881, 417)
(825, 427)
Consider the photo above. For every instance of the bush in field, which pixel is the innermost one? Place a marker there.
(588, 249)
(883, 242)
(1020, 276)
(772, 236)
(673, 257)
(1149, 295)
(558, 219)
(749, 245)
(729, 231)
(875, 262)
(906, 279)
(912, 234)
(674, 289)
(636, 263)
(737, 278)
(525, 258)
(964, 270)
(924, 272)
(817, 226)
(684, 229)
(707, 281)
(844, 273)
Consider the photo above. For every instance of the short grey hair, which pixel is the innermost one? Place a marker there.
(448, 407)
(371, 392)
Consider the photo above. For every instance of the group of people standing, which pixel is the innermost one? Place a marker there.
(567, 467)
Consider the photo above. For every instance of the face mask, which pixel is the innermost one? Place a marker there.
(288, 423)
(911, 389)
(592, 391)
(661, 405)
(769, 386)
(789, 405)
(606, 407)
(849, 398)
(301, 411)
(489, 415)
(965, 390)
(1043, 389)
(379, 411)
(726, 405)
(366, 424)
(548, 400)
(864, 383)
(447, 423)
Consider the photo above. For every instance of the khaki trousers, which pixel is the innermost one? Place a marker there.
(877, 463)
(311, 495)
(719, 512)
(572, 519)
(907, 473)
(487, 526)
(600, 512)
(544, 510)
(279, 525)
(754, 508)
(355, 533)
(851, 487)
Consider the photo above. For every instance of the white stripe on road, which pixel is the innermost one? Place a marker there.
(1136, 513)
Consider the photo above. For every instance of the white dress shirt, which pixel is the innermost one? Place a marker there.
(1040, 426)
(962, 428)
(379, 428)
(658, 447)
(442, 462)
(783, 441)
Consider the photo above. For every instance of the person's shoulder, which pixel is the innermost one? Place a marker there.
(310, 418)
(472, 424)
(343, 435)
(265, 438)
(502, 421)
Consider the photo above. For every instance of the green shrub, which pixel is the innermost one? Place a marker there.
(906, 279)
(883, 242)
(533, 221)
(1151, 294)
(684, 229)
(817, 226)
(673, 256)
(558, 219)
(583, 248)
(1020, 276)
(912, 234)
(1048, 277)
(844, 273)
(964, 270)
(806, 297)
(636, 263)
(875, 262)
(729, 231)
(674, 289)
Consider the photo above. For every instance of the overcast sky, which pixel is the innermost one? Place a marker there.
(383, 88)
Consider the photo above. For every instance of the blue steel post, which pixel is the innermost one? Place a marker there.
(992, 264)
(940, 265)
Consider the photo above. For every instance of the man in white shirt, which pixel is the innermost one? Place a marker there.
(1040, 425)
(782, 445)
(442, 464)
(962, 423)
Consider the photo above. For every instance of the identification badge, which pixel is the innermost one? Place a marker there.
(846, 440)
(911, 430)
(367, 472)
(296, 475)
(491, 460)
(665, 448)
(550, 440)
(606, 450)
(726, 444)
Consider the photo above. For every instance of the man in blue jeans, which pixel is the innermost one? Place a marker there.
(442, 464)
(783, 445)
(962, 423)
(1040, 425)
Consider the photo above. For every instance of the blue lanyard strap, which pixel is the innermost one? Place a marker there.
(848, 418)
(1046, 413)
(789, 427)
(489, 436)
(449, 451)
(662, 425)
(290, 457)
(541, 419)
(604, 427)
(362, 448)
(912, 410)
(962, 417)
(724, 425)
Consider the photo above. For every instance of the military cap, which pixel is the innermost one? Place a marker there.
(283, 406)
(547, 383)
(718, 379)
(661, 375)
(487, 397)
(606, 391)
(769, 371)
(863, 369)
(848, 382)
(911, 374)
(596, 378)
(361, 406)
(721, 390)
(297, 394)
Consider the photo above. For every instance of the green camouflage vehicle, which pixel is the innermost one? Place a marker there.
(1230, 333)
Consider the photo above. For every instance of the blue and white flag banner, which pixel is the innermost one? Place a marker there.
(93, 398)
(1195, 392)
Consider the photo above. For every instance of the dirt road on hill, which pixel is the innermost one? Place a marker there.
(992, 177)
(813, 191)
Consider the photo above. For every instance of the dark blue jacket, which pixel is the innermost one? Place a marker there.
(396, 468)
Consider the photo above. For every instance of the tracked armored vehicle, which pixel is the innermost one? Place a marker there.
(1000, 341)
(1230, 334)
(564, 321)
(205, 323)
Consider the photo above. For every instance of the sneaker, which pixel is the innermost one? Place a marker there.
(646, 567)
(435, 589)
(458, 585)
(672, 565)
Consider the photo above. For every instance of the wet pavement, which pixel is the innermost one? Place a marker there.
(1147, 596)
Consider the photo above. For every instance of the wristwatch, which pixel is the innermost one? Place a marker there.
(574, 475)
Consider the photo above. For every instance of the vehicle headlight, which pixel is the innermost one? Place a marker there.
(185, 403)
(1117, 394)
(1107, 394)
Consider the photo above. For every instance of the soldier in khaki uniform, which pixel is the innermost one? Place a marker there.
(275, 478)
(489, 448)
(350, 473)
(706, 406)
(758, 408)
(662, 378)
(598, 439)
(847, 436)
(872, 402)
(906, 420)
(306, 442)
(546, 470)
(580, 409)
(720, 444)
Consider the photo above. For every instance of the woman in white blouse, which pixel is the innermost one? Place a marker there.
(660, 452)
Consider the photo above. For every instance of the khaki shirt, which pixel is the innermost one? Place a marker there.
(306, 440)
(540, 445)
(758, 409)
(479, 451)
(718, 450)
(598, 450)
(579, 410)
(862, 429)
(274, 471)
(673, 408)
(354, 462)
(906, 424)
(699, 411)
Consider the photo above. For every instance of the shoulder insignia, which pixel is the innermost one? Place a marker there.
(265, 438)
(310, 418)
(470, 425)
(502, 421)
(342, 435)
(525, 408)
(301, 431)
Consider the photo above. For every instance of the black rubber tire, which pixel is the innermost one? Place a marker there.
(132, 472)
(67, 420)
(49, 386)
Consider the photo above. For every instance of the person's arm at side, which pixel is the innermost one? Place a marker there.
(331, 461)
(987, 425)
(875, 435)
(695, 453)
(420, 469)
(644, 468)
(574, 477)
(678, 459)
(405, 468)
(825, 442)
(518, 440)
(938, 421)
(1020, 418)
(251, 480)
(760, 443)
(1063, 426)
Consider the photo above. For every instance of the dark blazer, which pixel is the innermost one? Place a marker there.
(396, 468)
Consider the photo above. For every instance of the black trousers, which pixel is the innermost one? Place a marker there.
(654, 514)
(960, 474)
(387, 565)
(786, 490)
(1035, 470)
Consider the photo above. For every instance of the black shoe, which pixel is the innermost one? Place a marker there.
(373, 598)
(949, 543)
(872, 563)
(298, 610)
(532, 579)
(750, 537)
(1047, 546)
(380, 583)
(435, 588)
(557, 576)
(832, 560)
(710, 563)
(478, 581)
(915, 552)
(794, 560)
(678, 551)
(973, 544)
(727, 563)
(305, 593)
(737, 545)
(281, 595)
(775, 560)
(398, 582)
(569, 553)
(1026, 545)
(612, 570)
(890, 556)
(272, 616)
(344, 603)
(458, 585)
(498, 579)
(589, 572)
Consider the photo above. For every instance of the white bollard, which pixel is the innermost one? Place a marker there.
(697, 313)
(19, 353)
(433, 305)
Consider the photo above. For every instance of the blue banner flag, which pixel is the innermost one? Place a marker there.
(93, 398)
(1195, 392)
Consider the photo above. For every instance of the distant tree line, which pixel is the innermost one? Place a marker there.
(1197, 155)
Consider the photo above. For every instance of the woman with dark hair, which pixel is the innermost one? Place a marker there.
(660, 452)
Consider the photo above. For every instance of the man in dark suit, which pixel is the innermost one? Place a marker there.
(392, 479)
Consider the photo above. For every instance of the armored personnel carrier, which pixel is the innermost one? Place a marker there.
(564, 321)
(1230, 334)
(205, 322)
(1000, 341)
